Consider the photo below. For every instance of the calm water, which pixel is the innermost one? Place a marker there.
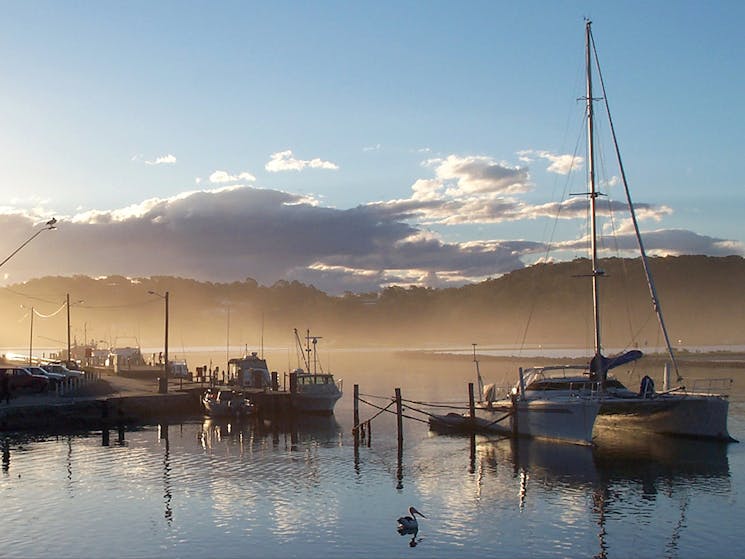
(214, 489)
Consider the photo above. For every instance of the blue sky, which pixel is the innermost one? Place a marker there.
(354, 145)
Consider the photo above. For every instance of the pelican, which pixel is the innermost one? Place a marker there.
(406, 523)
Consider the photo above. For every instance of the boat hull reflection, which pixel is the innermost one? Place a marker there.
(320, 430)
(614, 458)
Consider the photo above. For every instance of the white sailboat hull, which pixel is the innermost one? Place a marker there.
(694, 416)
(569, 421)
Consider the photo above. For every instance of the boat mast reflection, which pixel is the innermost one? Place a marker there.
(610, 470)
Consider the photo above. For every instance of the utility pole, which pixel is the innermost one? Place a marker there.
(69, 355)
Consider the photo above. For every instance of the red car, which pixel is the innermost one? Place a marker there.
(21, 379)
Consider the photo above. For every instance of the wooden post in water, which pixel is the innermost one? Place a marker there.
(471, 405)
(356, 414)
(400, 423)
(399, 418)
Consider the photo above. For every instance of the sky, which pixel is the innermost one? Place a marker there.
(359, 145)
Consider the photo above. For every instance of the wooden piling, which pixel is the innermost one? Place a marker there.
(471, 404)
(356, 413)
(400, 423)
(399, 417)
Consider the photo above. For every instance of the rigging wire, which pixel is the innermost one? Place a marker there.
(645, 262)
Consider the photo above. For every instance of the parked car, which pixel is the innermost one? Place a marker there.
(21, 379)
(54, 378)
(62, 370)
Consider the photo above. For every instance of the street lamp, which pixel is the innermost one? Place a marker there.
(164, 387)
(51, 224)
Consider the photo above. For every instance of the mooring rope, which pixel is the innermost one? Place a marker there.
(436, 405)
(385, 409)
(447, 405)
(414, 409)
(374, 416)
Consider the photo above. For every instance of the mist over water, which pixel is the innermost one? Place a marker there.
(203, 488)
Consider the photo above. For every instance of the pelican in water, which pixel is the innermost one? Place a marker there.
(408, 524)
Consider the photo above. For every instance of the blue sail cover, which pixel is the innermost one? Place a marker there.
(602, 363)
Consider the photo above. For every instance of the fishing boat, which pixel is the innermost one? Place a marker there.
(699, 412)
(226, 403)
(311, 390)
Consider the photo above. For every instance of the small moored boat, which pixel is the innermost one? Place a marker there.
(226, 403)
(313, 392)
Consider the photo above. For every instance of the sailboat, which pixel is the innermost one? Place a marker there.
(675, 411)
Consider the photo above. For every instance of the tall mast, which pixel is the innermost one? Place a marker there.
(637, 231)
(599, 366)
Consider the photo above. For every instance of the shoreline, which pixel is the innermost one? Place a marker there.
(713, 359)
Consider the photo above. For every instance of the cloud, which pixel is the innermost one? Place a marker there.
(560, 164)
(661, 242)
(219, 177)
(240, 231)
(167, 159)
(479, 174)
(286, 161)
(234, 231)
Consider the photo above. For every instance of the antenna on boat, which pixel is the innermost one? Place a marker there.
(478, 372)
(314, 340)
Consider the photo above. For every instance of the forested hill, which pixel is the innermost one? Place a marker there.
(703, 299)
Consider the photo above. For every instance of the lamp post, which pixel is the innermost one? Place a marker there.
(51, 224)
(164, 387)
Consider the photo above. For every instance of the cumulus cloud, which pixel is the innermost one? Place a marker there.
(233, 231)
(561, 164)
(167, 159)
(479, 174)
(661, 242)
(219, 177)
(286, 161)
(239, 231)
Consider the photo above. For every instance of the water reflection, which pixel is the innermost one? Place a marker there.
(106, 436)
(649, 461)
(413, 542)
(167, 493)
(619, 474)
(6, 455)
(291, 433)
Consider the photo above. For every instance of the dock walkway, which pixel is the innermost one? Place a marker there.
(112, 399)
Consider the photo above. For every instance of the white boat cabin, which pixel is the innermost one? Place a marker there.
(249, 371)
